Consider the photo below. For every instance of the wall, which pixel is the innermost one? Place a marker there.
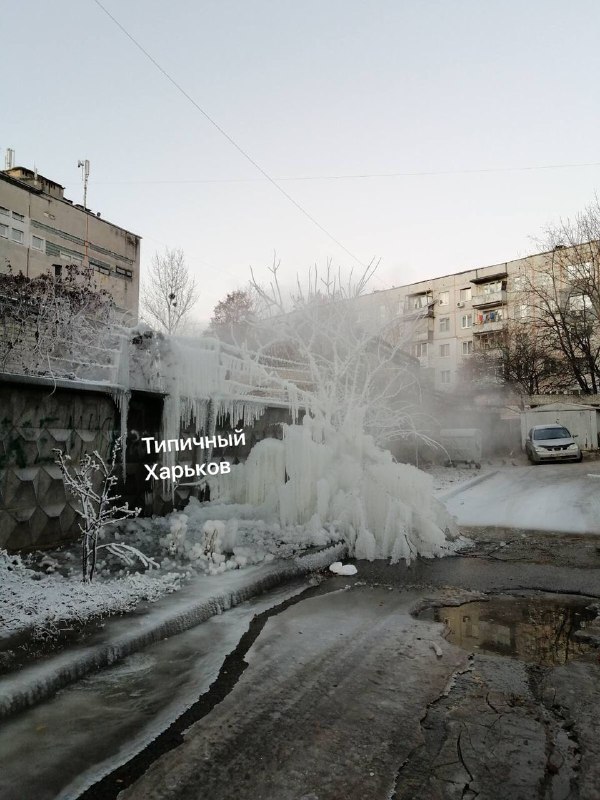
(63, 229)
(34, 510)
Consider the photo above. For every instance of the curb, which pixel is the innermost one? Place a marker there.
(466, 485)
(37, 682)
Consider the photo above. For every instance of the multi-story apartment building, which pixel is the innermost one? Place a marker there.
(445, 320)
(41, 230)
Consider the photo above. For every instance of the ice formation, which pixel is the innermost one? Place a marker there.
(326, 476)
(330, 479)
(342, 569)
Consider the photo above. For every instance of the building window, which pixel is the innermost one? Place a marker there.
(420, 349)
(445, 376)
(465, 295)
(16, 235)
(4, 211)
(467, 348)
(445, 350)
(19, 217)
(104, 270)
(444, 324)
(466, 321)
(127, 273)
(3, 231)
(519, 283)
(71, 258)
(37, 243)
(444, 298)
(57, 270)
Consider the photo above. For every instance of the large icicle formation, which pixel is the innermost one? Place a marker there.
(334, 480)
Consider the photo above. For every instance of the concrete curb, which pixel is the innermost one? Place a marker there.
(167, 617)
(464, 486)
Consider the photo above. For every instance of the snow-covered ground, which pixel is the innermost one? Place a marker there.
(43, 594)
(563, 498)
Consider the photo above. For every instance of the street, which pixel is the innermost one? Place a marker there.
(554, 497)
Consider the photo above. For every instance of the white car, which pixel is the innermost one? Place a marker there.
(551, 443)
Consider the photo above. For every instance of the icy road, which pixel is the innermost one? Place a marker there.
(555, 497)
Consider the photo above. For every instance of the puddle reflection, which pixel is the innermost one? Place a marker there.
(535, 630)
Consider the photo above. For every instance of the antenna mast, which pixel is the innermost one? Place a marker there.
(85, 174)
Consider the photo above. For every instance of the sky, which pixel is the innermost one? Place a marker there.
(466, 100)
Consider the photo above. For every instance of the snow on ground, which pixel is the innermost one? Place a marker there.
(552, 497)
(43, 604)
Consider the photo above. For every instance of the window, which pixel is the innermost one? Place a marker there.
(3, 231)
(127, 273)
(57, 270)
(16, 235)
(466, 321)
(20, 217)
(420, 349)
(445, 376)
(465, 295)
(445, 350)
(4, 211)
(522, 311)
(444, 298)
(71, 258)
(519, 283)
(467, 348)
(37, 243)
(491, 288)
(445, 324)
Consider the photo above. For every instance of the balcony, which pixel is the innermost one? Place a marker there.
(422, 335)
(488, 327)
(489, 299)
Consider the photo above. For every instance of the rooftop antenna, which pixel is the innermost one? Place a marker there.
(9, 158)
(85, 174)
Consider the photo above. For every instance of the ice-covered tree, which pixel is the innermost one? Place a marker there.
(92, 483)
(359, 390)
(61, 325)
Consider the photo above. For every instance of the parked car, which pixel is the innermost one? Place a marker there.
(551, 443)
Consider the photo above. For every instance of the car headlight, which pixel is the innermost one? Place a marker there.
(572, 446)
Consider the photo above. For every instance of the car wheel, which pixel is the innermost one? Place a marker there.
(580, 459)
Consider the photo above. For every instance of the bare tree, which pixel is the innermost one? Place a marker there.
(169, 292)
(563, 292)
(522, 358)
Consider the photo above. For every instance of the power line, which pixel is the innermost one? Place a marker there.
(359, 176)
(226, 135)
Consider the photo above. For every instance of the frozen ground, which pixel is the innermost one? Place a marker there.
(563, 498)
(110, 715)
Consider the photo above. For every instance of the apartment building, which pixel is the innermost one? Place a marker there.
(41, 230)
(445, 320)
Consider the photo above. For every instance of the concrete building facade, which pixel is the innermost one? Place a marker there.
(42, 231)
(447, 319)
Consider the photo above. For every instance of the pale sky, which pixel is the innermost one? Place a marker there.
(312, 88)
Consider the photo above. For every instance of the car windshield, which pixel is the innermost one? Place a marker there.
(552, 433)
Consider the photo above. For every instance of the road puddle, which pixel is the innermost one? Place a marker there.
(537, 630)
